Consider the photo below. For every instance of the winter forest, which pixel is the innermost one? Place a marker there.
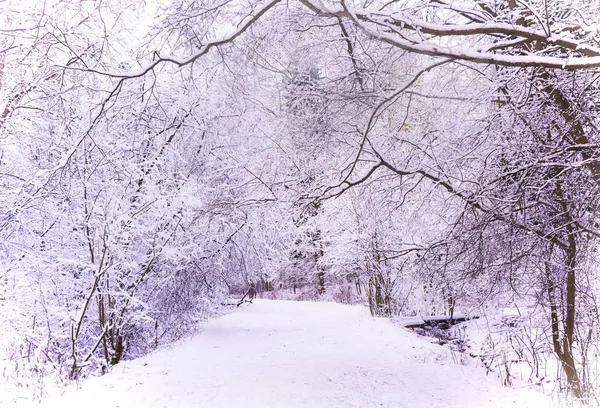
(420, 157)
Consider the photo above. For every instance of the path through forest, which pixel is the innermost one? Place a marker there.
(298, 354)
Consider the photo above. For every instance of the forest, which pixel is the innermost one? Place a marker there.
(423, 157)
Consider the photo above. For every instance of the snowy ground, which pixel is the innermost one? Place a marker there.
(298, 354)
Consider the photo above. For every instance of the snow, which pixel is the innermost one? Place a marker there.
(297, 354)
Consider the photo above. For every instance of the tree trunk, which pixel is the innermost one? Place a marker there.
(321, 276)
(565, 354)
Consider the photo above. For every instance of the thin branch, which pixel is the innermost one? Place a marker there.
(191, 59)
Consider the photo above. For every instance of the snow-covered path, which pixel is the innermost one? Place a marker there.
(298, 354)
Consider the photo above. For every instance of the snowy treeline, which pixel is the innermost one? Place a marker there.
(424, 157)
